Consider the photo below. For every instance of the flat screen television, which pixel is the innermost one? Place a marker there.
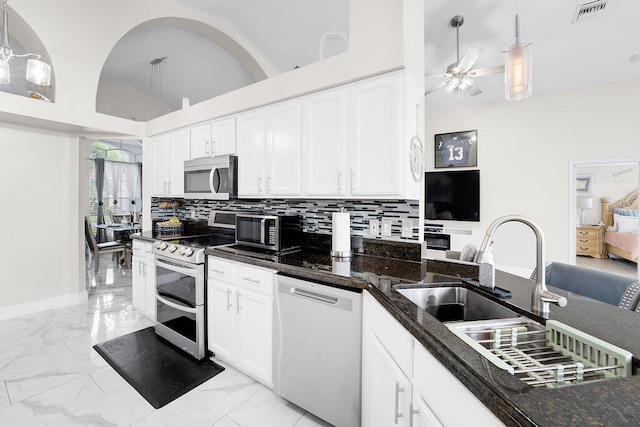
(452, 195)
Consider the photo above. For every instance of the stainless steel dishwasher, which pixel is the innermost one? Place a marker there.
(318, 346)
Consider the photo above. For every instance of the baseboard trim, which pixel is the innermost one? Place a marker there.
(37, 306)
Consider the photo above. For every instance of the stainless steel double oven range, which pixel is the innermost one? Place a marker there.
(181, 282)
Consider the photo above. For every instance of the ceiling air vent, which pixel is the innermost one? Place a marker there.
(589, 10)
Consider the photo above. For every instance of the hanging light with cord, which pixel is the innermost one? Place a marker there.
(38, 72)
(518, 67)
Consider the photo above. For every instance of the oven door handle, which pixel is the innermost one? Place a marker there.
(179, 268)
(176, 306)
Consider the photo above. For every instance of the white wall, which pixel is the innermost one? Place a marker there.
(123, 100)
(524, 150)
(40, 254)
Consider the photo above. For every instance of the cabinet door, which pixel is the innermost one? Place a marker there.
(223, 137)
(445, 394)
(179, 153)
(160, 166)
(376, 138)
(386, 391)
(255, 335)
(251, 149)
(221, 319)
(423, 416)
(150, 287)
(324, 119)
(200, 141)
(138, 283)
(283, 149)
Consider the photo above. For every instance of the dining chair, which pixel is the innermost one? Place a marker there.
(100, 248)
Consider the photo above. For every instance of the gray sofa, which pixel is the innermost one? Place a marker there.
(595, 284)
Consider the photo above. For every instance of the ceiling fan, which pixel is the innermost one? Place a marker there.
(460, 75)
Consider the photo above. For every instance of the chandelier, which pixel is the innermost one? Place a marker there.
(38, 72)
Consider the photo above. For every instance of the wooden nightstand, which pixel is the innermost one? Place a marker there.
(590, 241)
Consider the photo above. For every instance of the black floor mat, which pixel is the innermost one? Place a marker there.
(159, 371)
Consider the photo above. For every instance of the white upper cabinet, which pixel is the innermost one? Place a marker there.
(283, 149)
(213, 139)
(252, 150)
(169, 153)
(324, 138)
(376, 138)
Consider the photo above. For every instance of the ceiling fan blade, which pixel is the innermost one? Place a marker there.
(474, 90)
(447, 75)
(470, 57)
(485, 71)
(435, 88)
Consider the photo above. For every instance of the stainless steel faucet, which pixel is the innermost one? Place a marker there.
(541, 296)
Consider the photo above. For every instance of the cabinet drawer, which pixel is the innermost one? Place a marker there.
(138, 246)
(587, 233)
(583, 241)
(588, 249)
(222, 270)
(257, 279)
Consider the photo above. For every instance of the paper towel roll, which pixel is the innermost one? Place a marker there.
(341, 234)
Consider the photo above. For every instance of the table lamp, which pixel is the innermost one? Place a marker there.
(584, 203)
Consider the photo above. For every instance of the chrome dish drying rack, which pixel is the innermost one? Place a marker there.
(553, 356)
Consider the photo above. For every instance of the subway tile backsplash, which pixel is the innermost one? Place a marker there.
(316, 214)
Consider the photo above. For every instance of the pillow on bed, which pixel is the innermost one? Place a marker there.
(625, 224)
(625, 212)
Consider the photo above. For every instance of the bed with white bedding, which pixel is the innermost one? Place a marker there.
(621, 221)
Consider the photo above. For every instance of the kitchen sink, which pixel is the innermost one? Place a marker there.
(454, 303)
(552, 355)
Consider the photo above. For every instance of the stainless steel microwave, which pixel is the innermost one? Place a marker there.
(211, 178)
(278, 233)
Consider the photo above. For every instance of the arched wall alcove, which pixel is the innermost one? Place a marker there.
(198, 62)
(23, 39)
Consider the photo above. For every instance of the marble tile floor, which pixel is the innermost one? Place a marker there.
(51, 376)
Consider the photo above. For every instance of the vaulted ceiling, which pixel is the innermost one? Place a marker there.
(286, 34)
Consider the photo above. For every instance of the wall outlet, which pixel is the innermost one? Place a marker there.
(386, 226)
(407, 228)
(374, 227)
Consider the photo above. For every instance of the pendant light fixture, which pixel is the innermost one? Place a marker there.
(38, 72)
(518, 68)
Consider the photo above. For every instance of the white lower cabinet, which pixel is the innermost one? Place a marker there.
(404, 385)
(143, 279)
(240, 317)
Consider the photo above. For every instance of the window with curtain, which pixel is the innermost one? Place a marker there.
(115, 184)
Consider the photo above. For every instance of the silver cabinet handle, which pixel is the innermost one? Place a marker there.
(238, 295)
(228, 299)
(165, 187)
(217, 271)
(213, 147)
(353, 180)
(249, 279)
(396, 414)
(412, 412)
(339, 182)
(259, 184)
(269, 185)
(169, 187)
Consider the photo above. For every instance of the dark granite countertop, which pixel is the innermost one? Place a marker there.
(612, 402)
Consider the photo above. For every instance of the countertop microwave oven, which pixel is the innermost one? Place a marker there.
(279, 233)
(211, 178)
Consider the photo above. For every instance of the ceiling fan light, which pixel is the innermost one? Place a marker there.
(465, 83)
(38, 72)
(453, 84)
(5, 73)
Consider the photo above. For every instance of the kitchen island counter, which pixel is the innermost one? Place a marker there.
(611, 402)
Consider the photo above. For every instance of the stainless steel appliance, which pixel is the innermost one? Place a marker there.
(181, 283)
(317, 364)
(278, 233)
(211, 178)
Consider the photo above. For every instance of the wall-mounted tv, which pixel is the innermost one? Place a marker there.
(452, 195)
